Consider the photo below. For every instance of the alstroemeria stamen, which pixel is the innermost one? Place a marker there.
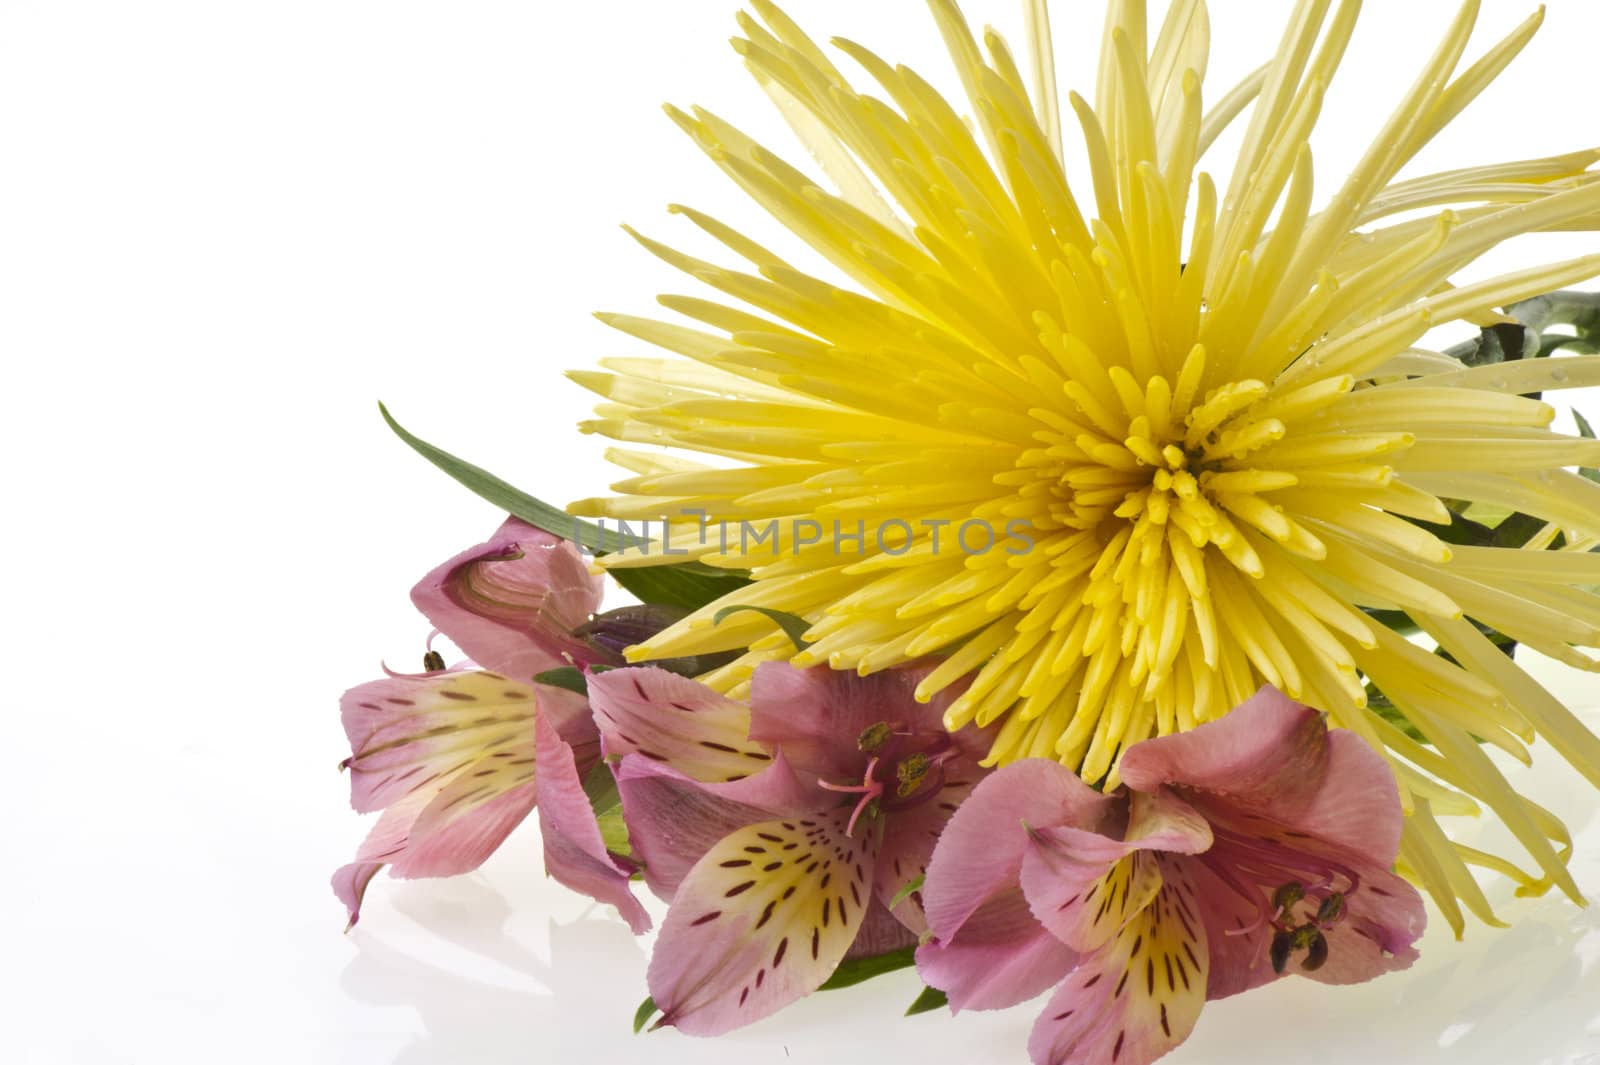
(870, 791)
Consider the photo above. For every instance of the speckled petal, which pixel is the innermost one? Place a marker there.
(762, 919)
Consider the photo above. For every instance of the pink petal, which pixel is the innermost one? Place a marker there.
(1238, 939)
(1085, 887)
(1354, 805)
(910, 836)
(674, 819)
(1259, 753)
(460, 828)
(761, 920)
(455, 846)
(511, 603)
(908, 842)
(1138, 996)
(679, 722)
(881, 932)
(980, 852)
(385, 841)
(999, 957)
(574, 851)
(816, 715)
(1385, 918)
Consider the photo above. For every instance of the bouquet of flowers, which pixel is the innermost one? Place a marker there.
(1091, 588)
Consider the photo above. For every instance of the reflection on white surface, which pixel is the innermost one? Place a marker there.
(548, 979)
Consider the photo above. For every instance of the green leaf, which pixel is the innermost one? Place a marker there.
(570, 678)
(931, 999)
(513, 501)
(600, 785)
(854, 970)
(792, 625)
(642, 1015)
(1379, 704)
(911, 888)
(689, 585)
(1398, 620)
(1585, 430)
(614, 831)
(1516, 530)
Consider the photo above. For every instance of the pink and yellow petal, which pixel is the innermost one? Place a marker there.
(1085, 887)
(762, 919)
(411, 733)
(1139, 995)
(676, 721)
(673, 819)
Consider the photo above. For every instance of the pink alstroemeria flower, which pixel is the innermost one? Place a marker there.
(1252, 846)
(457, 758)
(782, 832)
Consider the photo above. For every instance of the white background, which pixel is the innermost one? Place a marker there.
(226, 229)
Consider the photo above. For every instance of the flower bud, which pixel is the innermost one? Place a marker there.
(616, 630)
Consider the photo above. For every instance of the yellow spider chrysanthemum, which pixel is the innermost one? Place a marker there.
(1205, 409)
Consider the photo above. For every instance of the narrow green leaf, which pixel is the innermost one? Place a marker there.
(689, 585)
(642, 1015)
(931, 999)
(512, 500)
(1398, 620)
(1379, 704)
(570, 678)
(793, 626)
(1516, 530)
(911, 888)
(1585, 430)
(855, 970)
